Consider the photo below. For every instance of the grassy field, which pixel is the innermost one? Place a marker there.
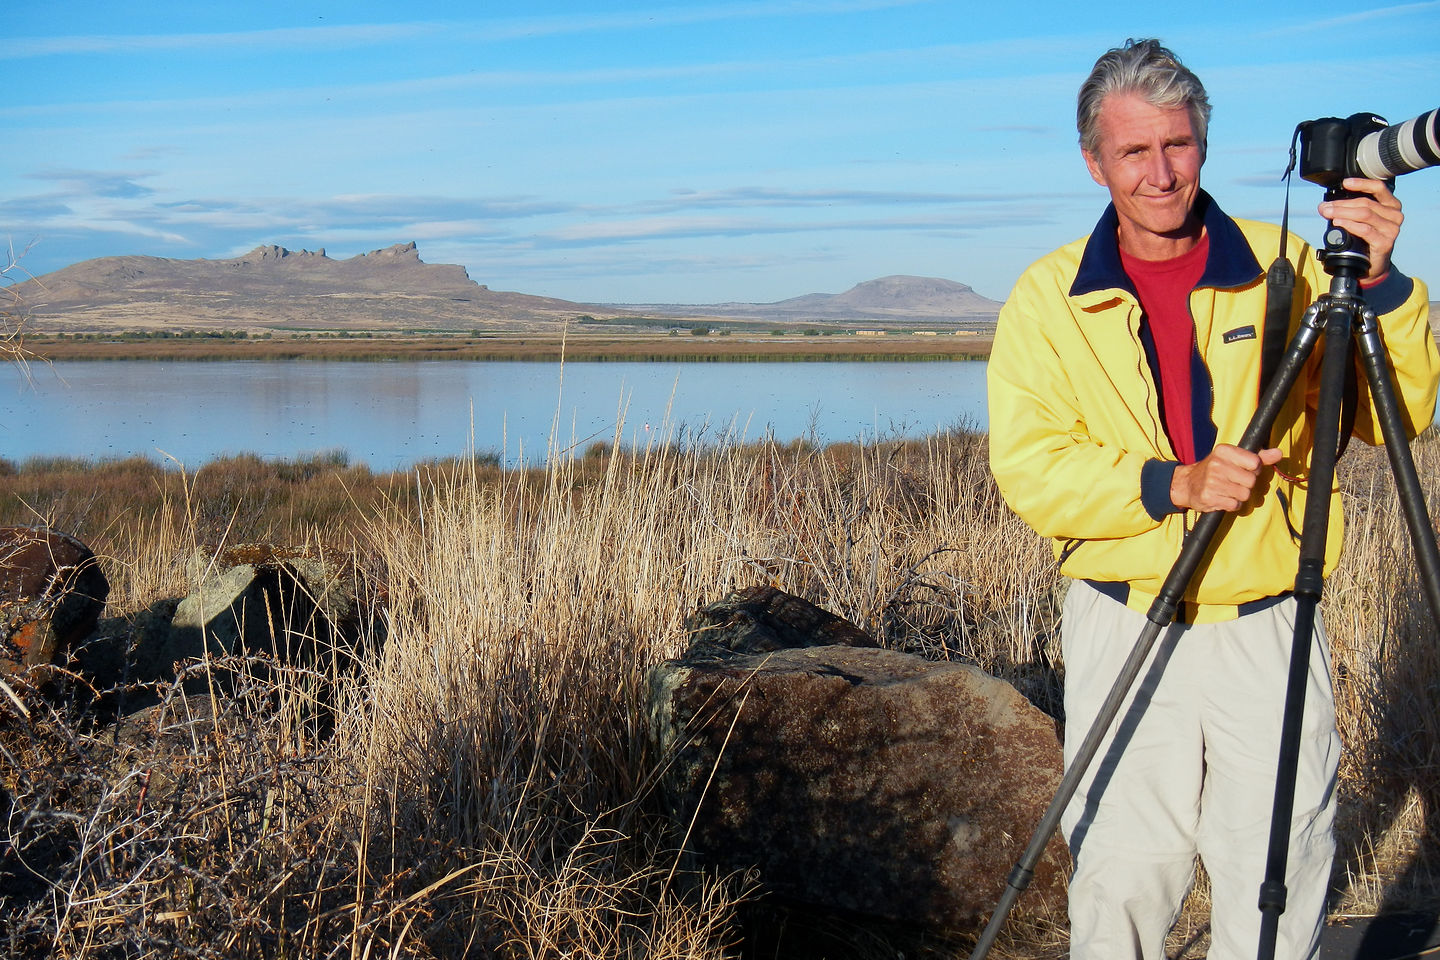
(489, 789)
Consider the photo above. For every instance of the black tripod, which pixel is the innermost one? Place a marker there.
(1339, 315)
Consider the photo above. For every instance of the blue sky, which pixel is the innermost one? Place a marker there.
(657, 151)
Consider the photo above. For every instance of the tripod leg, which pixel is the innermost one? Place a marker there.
(1161, 614)
(1402, 463)
(1309, 583)
(1024, 870)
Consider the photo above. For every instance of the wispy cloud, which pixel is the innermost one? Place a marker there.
(26, 209)
(94, 183)
(1304, 25)
(684, 16)
(604, 263)
(360, 35)
(399, 207)
(116, 203)
(669, 228)
(274, 40)
(1259, 180)
(1027, 128)
(960, 66)
(332, 220)
(773, 197)
(102, 203)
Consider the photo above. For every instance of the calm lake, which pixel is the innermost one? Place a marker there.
(389, 415)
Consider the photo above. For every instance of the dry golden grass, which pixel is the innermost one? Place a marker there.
(488, 787)
(1387, 666)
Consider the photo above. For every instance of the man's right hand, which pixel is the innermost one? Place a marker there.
(1222, 481)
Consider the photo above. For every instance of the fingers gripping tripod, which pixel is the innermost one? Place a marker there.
(1339, 316)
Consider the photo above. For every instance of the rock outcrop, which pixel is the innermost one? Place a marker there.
(853, 777)
(295, 604)
(52, 592)
(272, 288)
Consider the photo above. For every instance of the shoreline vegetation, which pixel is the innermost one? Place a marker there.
(688, 347)
(487, 787)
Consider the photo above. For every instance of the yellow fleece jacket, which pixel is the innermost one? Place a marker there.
(1077, 444)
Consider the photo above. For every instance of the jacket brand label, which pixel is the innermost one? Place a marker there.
(1239, 333)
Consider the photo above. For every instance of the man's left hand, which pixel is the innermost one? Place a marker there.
(1374, 218)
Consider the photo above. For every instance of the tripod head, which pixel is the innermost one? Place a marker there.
(1344, 256)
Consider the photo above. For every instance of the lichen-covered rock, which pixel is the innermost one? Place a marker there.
(52, 592)
(297, 604)
(858, 778)
(765, 618)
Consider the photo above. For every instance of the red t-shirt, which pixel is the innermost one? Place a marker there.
(1164, 288)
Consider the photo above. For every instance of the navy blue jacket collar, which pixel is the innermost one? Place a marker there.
(1230, 263)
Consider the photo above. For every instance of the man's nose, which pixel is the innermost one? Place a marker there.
(1162, 171)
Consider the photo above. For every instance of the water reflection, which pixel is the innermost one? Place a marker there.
(391, 414)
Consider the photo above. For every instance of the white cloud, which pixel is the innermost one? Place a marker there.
(278, 39)
(1304, 25)
(357, 35)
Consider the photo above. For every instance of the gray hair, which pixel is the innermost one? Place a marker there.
(1149, 70)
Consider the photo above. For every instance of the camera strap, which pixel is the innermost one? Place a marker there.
(1279, 299)
(1279, 294)
(1279, 291)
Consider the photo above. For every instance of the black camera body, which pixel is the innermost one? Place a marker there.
(1329, 147)
(1362, 145)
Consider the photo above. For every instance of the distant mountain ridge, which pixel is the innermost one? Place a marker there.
(271, 287)
(893, 298)
(266, 269)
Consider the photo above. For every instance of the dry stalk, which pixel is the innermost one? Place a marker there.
(487, 785)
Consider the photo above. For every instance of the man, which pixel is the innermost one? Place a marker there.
(1125, 368)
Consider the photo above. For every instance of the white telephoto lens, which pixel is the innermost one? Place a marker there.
(1402, 148)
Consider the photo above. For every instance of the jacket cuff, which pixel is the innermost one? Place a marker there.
(1155, 479)
(1392, 291)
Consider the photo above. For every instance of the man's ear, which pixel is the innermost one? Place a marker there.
(1093, 166)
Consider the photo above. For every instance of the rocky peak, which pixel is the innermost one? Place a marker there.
(900, 287)
(272, 252)
(400, 251)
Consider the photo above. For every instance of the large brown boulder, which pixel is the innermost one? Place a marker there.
(52, 592)
(853, 777)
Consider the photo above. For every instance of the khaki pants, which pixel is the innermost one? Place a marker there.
(1189, 768)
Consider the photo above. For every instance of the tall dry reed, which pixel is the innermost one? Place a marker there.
(487, 786)
(1386, 659)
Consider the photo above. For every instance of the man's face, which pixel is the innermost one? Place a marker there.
(1149, 159)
